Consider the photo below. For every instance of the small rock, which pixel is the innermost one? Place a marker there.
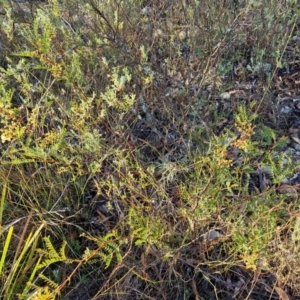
(260, 67)
(212, 235)
(297, 147)
(225, 95)
(293, 130)
(289, 151)
(287, 189)
(267, 67)
(295, 138)
(285, 110)
(146, 11)
(285, 181)
(266, 169)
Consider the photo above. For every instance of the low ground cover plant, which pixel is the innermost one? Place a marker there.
(149, 149)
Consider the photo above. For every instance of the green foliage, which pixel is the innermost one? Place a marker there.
(251, 238)
(130, 140)
(145, 230)
(108, 247)
(51, 255)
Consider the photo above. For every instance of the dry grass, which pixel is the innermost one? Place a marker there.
(149, 149)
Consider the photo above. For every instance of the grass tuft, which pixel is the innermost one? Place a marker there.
(149, 149)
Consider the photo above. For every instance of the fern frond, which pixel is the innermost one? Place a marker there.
(50, 282)
(109, 246)
(53, 256)
(106, 258)
(50, 248)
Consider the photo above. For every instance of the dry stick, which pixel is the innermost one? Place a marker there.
(12, 273)
(94, 6)
(208, 275)
(84, 260)
(22, 237)
(194, 287)
(119, 266)
(57, 212)
(51, 210)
